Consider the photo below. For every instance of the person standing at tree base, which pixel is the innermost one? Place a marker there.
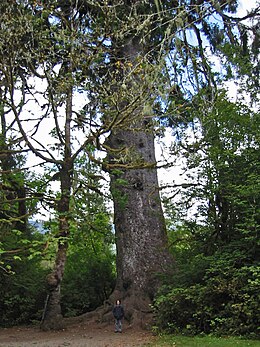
(118, 313)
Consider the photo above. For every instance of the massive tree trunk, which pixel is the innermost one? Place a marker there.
(142, 253)
(141, 241)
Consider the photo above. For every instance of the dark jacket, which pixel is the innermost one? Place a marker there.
(118, 312)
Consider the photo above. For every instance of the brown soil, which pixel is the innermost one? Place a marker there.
(87, 334)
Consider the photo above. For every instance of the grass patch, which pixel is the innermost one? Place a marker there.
(205, 341)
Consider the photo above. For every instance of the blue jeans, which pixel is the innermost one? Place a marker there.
(118, 325)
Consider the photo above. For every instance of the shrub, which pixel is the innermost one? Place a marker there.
(225, 301)
(22, 294)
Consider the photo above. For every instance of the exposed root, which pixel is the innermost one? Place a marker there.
(138, 312)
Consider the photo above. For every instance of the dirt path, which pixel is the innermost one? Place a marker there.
(81, 335)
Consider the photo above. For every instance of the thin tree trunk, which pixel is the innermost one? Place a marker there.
(52, 318)
(15, 185)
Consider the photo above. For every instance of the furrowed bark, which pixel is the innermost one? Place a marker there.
(141, 240)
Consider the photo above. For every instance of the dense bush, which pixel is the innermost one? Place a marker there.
(223, 301)
(22, 294)
(88, 280)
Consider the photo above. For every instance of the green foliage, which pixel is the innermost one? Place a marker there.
(22, 275)
(88, 281)
(90, 268)
(217, 293)
(119, 189)
(120, 197)
(220, 307)
(22, 293)
(215, 288)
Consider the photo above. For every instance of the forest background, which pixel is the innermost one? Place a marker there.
(81, 82)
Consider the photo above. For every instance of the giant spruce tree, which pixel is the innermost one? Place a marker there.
(142, 251)
(179, 33)
(130, 58)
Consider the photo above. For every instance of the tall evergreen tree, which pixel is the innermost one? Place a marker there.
(160, 31)
(110, 52)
